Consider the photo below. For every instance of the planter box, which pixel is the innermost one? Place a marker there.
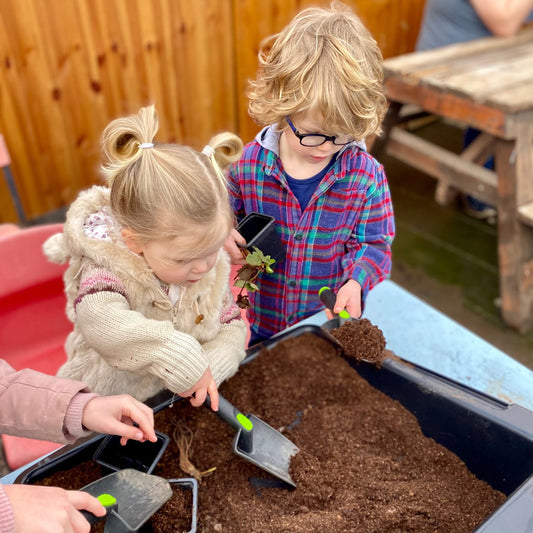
(494, 439)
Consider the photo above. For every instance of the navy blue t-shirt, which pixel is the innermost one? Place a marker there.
(304, 189)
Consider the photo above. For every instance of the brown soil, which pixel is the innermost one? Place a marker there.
(364, 464)
(361, 340)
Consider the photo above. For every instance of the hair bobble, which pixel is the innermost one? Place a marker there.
(143, 146)
(208, 150)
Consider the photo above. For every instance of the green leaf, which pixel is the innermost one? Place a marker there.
(256, 262)
(251, 286)
(253, 259)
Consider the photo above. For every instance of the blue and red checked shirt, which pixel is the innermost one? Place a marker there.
(345, 232)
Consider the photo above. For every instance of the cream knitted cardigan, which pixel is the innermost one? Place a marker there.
(128, 337)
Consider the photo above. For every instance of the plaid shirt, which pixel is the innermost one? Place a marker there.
(345, 232)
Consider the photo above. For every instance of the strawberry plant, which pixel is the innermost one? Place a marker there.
(256, 262)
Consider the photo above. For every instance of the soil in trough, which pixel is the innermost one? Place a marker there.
(364, 464)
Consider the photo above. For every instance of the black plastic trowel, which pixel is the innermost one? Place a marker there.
(328, 298)
(130, 497)
(258, 442)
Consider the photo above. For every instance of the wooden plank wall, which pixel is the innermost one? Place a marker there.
(68, 67)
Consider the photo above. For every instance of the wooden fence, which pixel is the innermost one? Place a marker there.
(68, 67)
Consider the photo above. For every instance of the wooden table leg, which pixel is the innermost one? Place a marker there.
(514, 166)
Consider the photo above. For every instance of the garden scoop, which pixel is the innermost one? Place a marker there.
(131, 497)
(328, 298)
(258, 442)
(361, 344)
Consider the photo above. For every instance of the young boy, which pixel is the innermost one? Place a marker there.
(319, 93)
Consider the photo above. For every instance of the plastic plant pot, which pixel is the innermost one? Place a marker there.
(142, 456)
(72, 455)
(189, 483)
(260, 231)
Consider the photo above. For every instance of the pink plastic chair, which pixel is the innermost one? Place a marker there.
(6, 228)
(33, 322)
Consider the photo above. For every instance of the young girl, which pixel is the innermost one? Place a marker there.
(148, 282)
(319, 91)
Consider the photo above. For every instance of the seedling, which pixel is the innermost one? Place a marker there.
(256, 262)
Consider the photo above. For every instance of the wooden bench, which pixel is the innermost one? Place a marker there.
(486, 84)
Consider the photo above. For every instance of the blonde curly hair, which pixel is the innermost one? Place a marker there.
(158, 189)
(325, 61)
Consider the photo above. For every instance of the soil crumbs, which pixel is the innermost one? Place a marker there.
(364, 464)
(361, 340)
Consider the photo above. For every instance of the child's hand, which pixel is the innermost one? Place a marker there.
(50, 508)
(233, 250)
(349, 298)
(204, 386)
(115, 415)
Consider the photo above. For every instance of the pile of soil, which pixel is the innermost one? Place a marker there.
(363, 465)
(361, 340)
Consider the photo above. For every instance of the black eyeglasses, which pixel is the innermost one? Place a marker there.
(316, 139)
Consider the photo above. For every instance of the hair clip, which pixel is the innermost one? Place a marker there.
(146, 145)
(208, 150)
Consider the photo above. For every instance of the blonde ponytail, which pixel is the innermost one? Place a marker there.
(124, 140)
(158, 190)
(223, 150)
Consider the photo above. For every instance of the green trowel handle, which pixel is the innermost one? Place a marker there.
(108, 501)
(328, 298)
(236, 420)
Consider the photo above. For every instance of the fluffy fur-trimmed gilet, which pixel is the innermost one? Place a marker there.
(221, 326)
